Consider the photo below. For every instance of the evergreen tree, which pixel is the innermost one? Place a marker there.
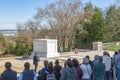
(96, 30)
(113, 22)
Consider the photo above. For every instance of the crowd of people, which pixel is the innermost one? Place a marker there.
(101, 68)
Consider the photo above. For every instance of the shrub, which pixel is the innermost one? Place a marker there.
(23, 49)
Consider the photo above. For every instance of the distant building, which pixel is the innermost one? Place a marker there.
(9, 32)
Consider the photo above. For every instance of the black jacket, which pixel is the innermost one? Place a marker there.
(36, 59)
(57, 70)
(28, 74)
(9, 75)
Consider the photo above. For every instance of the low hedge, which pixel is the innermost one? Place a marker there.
(112, 48)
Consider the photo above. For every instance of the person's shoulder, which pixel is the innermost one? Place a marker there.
(32, 71)
(4, 72)
(82, 65)
(74, 68)
(66, 69)
(14, 71)
(9, 72)
(101, 64)
(97, 64)
(59, 66)
(44, 68)
(49, 71)
(118, 55)
(104, 57)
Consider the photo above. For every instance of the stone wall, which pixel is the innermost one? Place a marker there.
(99, 45)
(111, 44)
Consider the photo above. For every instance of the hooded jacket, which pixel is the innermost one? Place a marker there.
(107, 61)
(86, 68)
(69, 74)
(99, 71)
(96, 59)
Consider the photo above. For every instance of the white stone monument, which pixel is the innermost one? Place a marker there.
(45, 48)
(97, 46)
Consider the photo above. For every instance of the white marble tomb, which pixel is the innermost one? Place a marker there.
(45, 48)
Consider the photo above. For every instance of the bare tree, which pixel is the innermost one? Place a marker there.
(61, 18)
(27, 32)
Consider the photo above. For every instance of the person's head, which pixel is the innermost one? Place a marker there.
(115, 53)
(36, 54)
(50, 65)
(85, 61)
(69, 59)
(8, 65)
(27, 65)
(45, 63)
(88, 57)
(100, 58)
(56, 62)
(75, 62)
(96, 57)
(69, 63)
(106, 53)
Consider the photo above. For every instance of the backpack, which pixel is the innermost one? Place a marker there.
(50, 76)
